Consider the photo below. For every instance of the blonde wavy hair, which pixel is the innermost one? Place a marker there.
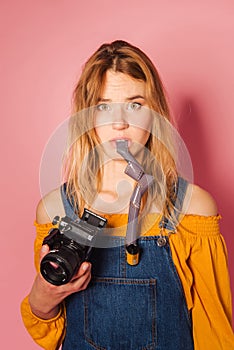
(82, 163)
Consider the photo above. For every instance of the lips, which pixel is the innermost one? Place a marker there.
(113, 141)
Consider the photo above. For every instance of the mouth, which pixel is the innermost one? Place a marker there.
(113, 142)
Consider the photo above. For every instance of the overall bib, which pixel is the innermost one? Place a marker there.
(127, 307)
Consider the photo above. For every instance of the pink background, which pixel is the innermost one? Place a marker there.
(44, 45)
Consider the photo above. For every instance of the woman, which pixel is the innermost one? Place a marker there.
(178, 295)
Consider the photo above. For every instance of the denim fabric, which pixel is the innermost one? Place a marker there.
(127, 307)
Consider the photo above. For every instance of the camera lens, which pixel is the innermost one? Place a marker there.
(58, 267)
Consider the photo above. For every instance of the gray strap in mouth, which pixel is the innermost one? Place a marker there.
(135, 171)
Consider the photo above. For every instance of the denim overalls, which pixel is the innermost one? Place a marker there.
(127, 307)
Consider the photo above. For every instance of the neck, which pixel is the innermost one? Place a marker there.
(117, 188)
(114, 173)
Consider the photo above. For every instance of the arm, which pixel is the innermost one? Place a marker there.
(43, 310)
(211, 294)
(211, 312)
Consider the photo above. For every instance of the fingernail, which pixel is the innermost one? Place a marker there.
(44, 249)
(85, 267)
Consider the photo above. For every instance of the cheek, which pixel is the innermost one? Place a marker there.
(141, 120)
(102, 119)
(145, 137)
(102, 132)
(148, 121)
(142, 128)
(101, 125)
(139, 135)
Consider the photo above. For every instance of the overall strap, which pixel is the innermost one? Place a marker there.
(68, 207)
(181, 188)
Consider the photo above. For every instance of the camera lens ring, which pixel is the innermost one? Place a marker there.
(58, 267)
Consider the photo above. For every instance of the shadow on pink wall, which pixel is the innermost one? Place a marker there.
(195, 136)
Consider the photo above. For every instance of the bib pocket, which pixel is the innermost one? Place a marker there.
(120, 314)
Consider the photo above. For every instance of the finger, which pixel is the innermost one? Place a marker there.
(81, 283)
(44, 250)
(86, 283)
(84, 268)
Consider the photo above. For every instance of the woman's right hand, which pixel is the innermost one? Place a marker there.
(45, 298)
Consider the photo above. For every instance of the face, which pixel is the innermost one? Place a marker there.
(120, 113)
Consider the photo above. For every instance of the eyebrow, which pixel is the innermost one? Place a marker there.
(135, 97)
(128, 98)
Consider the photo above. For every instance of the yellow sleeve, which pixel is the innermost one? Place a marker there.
(208, 277)
(49, 334)
(211, 313)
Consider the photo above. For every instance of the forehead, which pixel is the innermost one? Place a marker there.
(119, 86)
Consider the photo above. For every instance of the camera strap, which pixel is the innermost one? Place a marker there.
(136, 172)
(144, 181)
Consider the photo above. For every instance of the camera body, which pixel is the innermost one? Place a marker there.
(70, 244)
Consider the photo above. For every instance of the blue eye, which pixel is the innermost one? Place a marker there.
(103, 107)
(133, 106)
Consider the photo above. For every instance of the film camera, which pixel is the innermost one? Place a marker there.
(70, 245)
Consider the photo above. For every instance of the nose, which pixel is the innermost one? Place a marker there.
(119, 121)
(120, 125)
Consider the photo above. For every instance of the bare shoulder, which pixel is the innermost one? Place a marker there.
(49, 207)
(200, 202)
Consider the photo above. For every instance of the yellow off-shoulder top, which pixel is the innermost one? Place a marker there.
(200, 256)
